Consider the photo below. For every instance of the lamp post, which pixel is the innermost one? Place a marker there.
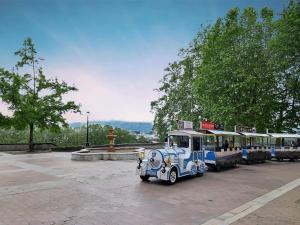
(87, 129)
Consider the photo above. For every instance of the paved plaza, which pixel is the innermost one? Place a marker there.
(51, 189)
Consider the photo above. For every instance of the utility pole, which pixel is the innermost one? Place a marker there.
(87, 129)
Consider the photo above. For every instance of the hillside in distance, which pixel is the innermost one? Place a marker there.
(143, 127)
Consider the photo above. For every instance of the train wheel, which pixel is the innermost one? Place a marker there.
(173, 176)
(217, 167)
(199, 174)
(245, 161)
(145, 178)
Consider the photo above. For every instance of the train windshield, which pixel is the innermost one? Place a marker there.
(180, 141)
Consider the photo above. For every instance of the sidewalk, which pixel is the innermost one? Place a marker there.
(284, 210)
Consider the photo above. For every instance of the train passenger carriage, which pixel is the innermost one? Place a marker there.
(285, 146)
(222, 148)
(255, 147)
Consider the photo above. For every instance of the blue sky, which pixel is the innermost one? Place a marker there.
(113, 51)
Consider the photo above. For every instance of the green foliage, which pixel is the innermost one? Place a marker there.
(285, 48)
(70, 136)
(177, 98)
(234, 82)
(243, 69)
(33, 99)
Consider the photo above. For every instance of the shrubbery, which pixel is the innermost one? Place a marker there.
(70, 136)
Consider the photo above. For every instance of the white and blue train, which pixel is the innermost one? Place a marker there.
(183, 155)
(221, 149)
(190, 153)
(285, 146)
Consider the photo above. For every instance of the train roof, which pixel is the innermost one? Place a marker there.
(222, 132)
(185, 132)
(248, 134)
(284, 135)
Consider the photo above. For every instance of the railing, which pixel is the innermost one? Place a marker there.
(25, 147)
(229, 151)
(287, 148)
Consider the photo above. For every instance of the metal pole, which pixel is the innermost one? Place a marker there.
(87, 129)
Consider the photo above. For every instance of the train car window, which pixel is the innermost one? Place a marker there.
(181, 141)
(277, 142)
(196, 143)
(290, 142)
(209, 142)
(248, 141)
(228, 142)
(237, 142)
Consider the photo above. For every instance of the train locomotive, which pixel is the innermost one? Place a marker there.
(182, 156)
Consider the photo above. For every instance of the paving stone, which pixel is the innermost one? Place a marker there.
(50, 188)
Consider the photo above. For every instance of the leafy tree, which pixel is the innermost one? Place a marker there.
(243, 69)
(285, 48)
(177, 99)
(234, 81)
(33, 99)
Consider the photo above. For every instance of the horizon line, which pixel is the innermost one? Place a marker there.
(131, 121)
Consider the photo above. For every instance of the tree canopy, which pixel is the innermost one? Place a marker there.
(241, 70)
(33, 99)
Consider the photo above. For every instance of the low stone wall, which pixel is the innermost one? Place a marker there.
(25, 147)
(104, 156)
(143, 145)
(77, 148)
(66, 148)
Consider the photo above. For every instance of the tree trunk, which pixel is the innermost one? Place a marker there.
(31, 137)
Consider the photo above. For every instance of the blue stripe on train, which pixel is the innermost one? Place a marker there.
(210, 155)
(273, 152)
(244, 153)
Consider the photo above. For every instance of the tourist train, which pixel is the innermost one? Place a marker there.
(191, 153)
(183, 155)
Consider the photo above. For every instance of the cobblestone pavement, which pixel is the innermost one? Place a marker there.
(51, 189)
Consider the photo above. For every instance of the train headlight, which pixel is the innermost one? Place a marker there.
(168, 162)
(141, 154)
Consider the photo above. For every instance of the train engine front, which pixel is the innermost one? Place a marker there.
(182, 156)
(156, 163)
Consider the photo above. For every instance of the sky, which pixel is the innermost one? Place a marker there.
(113, 51)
